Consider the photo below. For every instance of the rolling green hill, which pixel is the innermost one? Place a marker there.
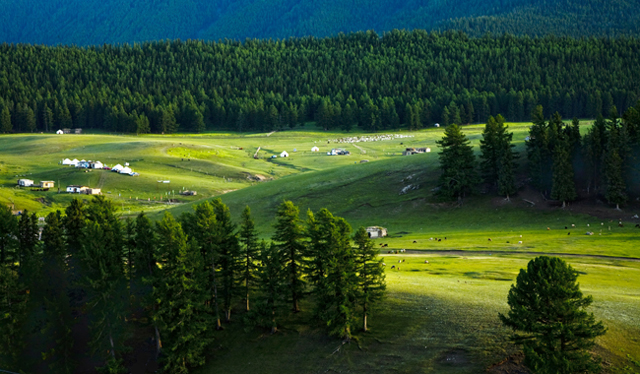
(115, 21)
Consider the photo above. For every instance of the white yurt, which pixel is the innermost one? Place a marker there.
(59, 132)
(284, 154)
(315, 149)
(117, 168)
(125, 170)
(66, 161)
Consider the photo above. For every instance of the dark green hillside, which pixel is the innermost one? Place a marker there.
(117, 21)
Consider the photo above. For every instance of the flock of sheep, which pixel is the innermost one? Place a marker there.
(371, 138)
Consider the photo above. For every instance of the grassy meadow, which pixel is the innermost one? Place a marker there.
(439, 317)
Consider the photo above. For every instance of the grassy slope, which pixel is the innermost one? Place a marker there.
(439, 317)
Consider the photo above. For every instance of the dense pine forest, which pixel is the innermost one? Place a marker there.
(410, 79)
(179, 278)
(115, 21)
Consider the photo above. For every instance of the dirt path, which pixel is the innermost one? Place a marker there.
(361, 149)
(462, 253)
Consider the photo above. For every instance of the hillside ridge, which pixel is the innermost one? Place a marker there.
(93, 22)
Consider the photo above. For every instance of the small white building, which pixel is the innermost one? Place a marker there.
(437, 125)
(97, 165)
(126, 170)
(117, 168)
(315, 149)
(76, 188)
(66, 161)
(59, 132)
(376, 231)
(74, 162)
(83, 164)
(25, 182)
(284, 154)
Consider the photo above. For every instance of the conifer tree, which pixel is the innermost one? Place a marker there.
(457, 161)
(249, 253)
(564, 187)
(341, 285)
(13, 307)
(289, 239)
(490, 148)
(616, 187)
(538, 150)
(8, 229)
(5, 121)
(102, 261)
(145, 267)
(371, 278)
(205, 231)
(272, 284)
(27, 244)
(56, 302)
(228, 249)
(506, 171)
(548, 315)
(181, 294)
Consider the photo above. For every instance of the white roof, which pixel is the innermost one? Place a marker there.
(59, 132)
(126, 170)
(117, 167)
(284, 154)
(75, 161)
(315, 149)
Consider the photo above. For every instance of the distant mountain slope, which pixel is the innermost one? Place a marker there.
(85, 22)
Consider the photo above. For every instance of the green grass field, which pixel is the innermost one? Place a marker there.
(440, 317)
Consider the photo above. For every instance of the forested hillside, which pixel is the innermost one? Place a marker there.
(410, 79)
(91, 22)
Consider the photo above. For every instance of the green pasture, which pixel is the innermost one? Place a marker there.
(440, 317)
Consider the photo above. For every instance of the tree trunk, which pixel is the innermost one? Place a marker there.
(618, 207)
(274, 326)
(215, 296)
(364, 322)
(227, 315)
(158, 342)
(564, 204)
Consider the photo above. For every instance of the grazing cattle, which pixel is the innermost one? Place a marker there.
(445, 238)
(588, 225)
(620, 224)
(439, 240)
(520, 242)
(388, 251)
(548, 228)
(398, 268)
(402, 260)
(507, 242)
(601, 223)
(426, 262)
(386, 245)
(399, 261)
(415, 241)
(521, 236)
(568, 233)
(383, 264)
(489, 239)
(566, 228)
(393, 267)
